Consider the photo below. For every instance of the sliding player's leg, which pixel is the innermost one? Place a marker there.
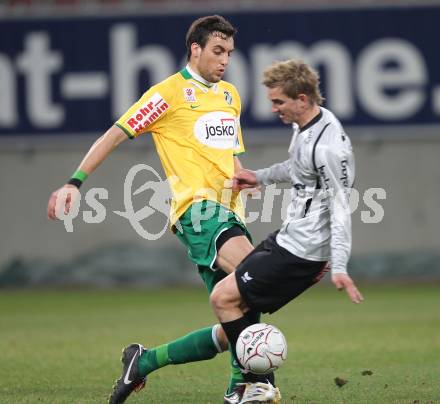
(267, 279)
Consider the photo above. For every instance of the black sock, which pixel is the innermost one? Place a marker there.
(233, 329)
(253, 316)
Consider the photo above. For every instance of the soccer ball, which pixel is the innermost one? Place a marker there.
(261, 348)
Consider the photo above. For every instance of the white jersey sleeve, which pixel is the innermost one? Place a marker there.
(335, 167)
(275, 174)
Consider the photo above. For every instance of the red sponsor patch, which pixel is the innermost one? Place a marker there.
(149, 112)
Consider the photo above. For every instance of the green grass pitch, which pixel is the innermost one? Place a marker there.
(64, 346)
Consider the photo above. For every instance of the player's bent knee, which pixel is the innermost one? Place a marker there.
(216, 298)
(221, 304)
(220, 300)
(225, 295)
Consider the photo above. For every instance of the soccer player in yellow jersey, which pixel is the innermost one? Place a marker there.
(193, 117)
(195, 126)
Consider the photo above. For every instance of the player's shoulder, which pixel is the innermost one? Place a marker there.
(330, 117)
(228, 86)
(167, 89)
(170, 83)
(329, 129)
(231, 93)
(330, 137)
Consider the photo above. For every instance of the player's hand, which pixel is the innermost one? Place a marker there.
(69, 191)
(343, 281)
(244, 179)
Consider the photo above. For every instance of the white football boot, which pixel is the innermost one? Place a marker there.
(235, 396)
(261, 393)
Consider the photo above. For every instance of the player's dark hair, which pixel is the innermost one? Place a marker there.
(294, 77)
(201, 28)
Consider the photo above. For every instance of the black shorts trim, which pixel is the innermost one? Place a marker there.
(233, 231)
(270, 276)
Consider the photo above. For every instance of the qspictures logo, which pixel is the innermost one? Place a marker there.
(158, 203)
(155, 195)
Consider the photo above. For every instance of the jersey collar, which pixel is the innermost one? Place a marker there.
(312, 122)
(189, 73)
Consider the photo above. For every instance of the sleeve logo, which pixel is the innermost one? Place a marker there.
(149, 112)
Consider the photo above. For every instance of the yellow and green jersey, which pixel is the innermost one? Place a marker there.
(196, 130)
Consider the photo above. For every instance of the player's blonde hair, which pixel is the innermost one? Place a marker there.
(294, 77)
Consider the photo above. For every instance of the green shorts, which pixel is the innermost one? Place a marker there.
(201, 225)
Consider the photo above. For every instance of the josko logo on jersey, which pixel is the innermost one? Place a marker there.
(217, 129)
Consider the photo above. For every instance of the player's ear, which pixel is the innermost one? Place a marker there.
(195, 49)
(303, 98)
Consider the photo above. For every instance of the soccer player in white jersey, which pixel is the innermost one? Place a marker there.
(317, 230)
(193, 117)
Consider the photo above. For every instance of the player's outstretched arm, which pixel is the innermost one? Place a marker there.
(244, 179)
(99, 151)
(343, 281)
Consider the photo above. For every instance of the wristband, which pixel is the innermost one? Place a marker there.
(78, 178)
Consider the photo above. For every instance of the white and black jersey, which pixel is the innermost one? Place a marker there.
(321, 169)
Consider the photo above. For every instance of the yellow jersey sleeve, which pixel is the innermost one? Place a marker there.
(150, 110)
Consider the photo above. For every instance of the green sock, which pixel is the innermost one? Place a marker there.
(236, 375)
(193, 347)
